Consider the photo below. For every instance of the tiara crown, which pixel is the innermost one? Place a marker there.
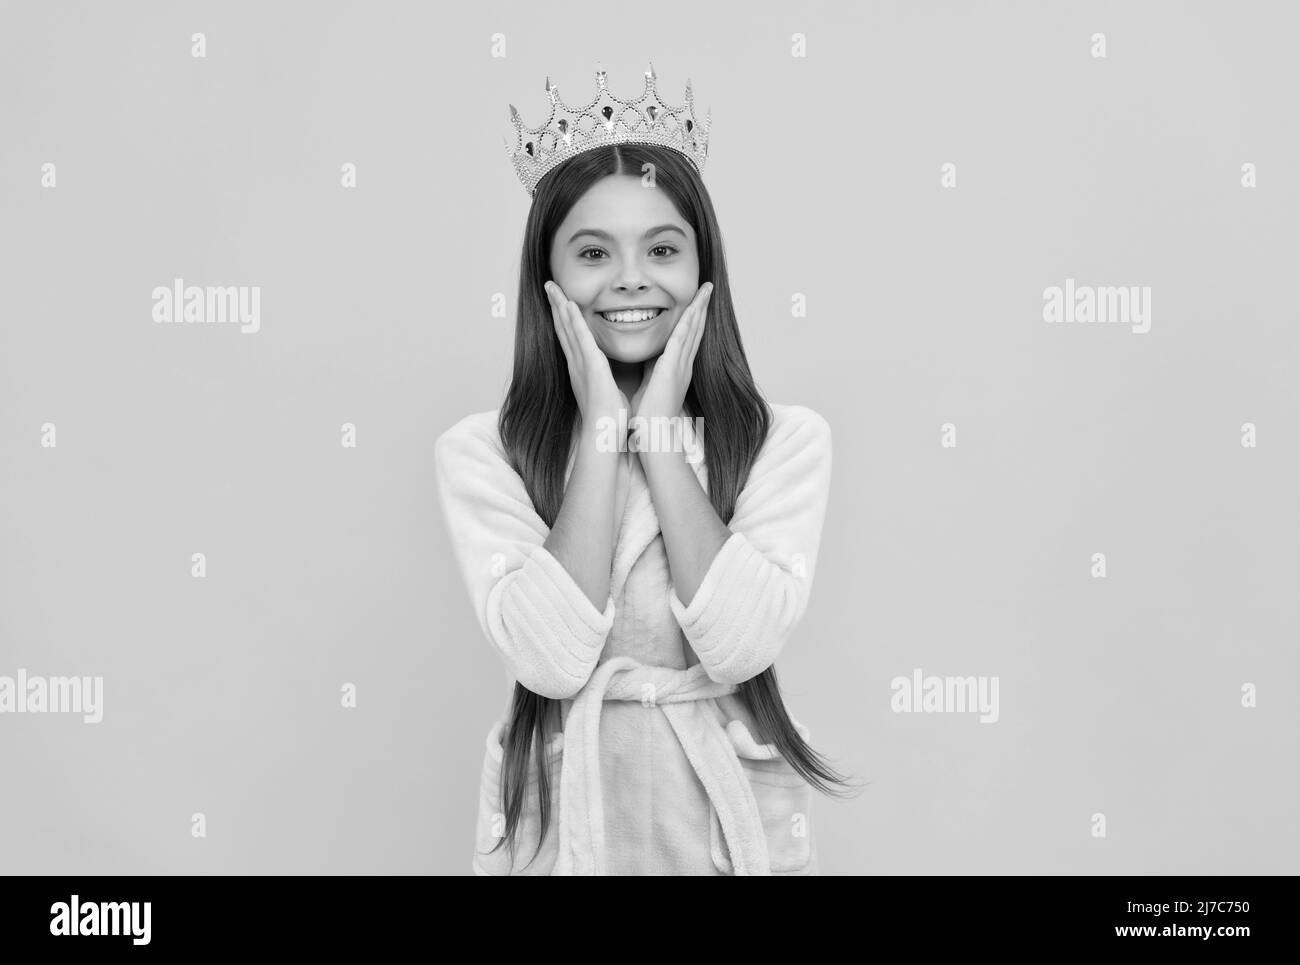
(606, 120)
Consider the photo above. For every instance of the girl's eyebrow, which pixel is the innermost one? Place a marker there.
(608, 237)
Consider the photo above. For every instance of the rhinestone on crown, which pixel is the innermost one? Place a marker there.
(606, 120)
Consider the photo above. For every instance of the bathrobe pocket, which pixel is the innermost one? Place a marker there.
(492, 820)
(784, 802)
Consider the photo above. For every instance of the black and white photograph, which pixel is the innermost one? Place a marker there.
(733, 439)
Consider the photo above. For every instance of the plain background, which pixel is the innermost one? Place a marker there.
(329, 565)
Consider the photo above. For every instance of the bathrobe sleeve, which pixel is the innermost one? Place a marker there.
(541, 622)
(757, 587)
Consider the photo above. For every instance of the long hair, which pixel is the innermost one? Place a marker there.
(537, 421)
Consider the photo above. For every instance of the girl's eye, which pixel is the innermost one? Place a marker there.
(588, 251)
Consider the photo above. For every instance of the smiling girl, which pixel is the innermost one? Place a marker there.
(637, 595)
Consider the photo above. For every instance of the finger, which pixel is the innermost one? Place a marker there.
(690, 323)
(684, 335)
(706, 296)
(557, 317)
(596, 366)
(677, 340)
(582, 331)
(698, 333)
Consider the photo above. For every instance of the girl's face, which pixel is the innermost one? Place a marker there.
(625, 246)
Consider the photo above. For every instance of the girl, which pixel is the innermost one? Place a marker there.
(637, 592)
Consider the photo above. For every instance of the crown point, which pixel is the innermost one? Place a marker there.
(529, 154)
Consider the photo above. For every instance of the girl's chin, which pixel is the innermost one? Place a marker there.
(633, 347)
(630, 355)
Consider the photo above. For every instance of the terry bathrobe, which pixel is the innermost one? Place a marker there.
(657, 768)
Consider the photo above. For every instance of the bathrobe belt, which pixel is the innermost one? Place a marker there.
(707, 746)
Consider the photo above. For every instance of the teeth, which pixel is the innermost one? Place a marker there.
(640, 316)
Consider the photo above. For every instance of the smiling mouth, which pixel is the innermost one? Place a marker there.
(631, 317)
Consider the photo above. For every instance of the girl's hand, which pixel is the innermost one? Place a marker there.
(593, 382)
(664, 379)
